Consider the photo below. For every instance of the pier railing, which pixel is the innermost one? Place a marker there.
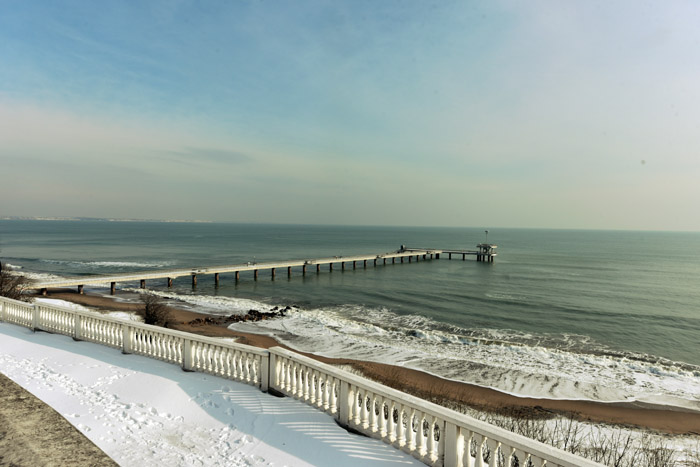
(433, 434)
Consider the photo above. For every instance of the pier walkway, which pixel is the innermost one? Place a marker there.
(485, 253)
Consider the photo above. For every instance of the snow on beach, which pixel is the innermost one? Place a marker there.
(142, 411)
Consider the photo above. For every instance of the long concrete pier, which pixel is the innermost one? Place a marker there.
(343, 262)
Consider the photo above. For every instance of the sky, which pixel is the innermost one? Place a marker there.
(552, 114)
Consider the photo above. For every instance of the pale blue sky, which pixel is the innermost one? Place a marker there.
(569, 114)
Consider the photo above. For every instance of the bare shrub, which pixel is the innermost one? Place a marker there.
(13, 285)
(154, 311)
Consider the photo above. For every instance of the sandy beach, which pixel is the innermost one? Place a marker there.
(432, 387)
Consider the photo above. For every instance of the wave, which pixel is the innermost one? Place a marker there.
(562, 366)
(110, 264)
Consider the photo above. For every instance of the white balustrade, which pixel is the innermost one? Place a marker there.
(433, 434)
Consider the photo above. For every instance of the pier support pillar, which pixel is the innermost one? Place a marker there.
(255, 274)
(342, 265)
(402, 260)
(80, 289)
(425, 256)
(330, 266)
(143, 283)
(464, 256)
(410, 259)
(364, 263)
(216, 279)
(375, 261)
(194, 280)
(170, 282)
(353, 265)
(393, 260)
(238, 276)
(112, 288)
(318, 268)
(272, 273)
(289, 271)
(303, 270)
(384, 260)
(449, 255)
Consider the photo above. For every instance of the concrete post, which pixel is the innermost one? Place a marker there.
(364, 263)
(35, 317)
(354, 265)
(303, 270)
(127, 339)
(464, 256)
(216, 279)
(344, 404)
(255, 274)
(289, 271)
(454, 446)
(393, 260)
(264, 372)
(112, 288)
(318, 268)
(77, 327)
(272, 273)
(80, 289)
(187, 355)
(449, 255)
(375, 261)
(342, 265)
(238, 276)
(143, 283)
(331, 266)
(409, 258)
(272, 382)
(402, 260)
(384, 260)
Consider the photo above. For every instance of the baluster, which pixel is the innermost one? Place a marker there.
(411, 434)
(403, 426)
(479, 449)
(493, 446)
(433, 444)
(422, 434)
(392, 430)
(287, 376)
(334, 386)
(326, 393)
(310, 385)
(537, 461)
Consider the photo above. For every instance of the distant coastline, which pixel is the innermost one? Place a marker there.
(98, 219)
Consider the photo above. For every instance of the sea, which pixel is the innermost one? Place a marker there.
(563, 314)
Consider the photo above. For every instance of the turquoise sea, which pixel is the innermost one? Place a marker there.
(605, 315)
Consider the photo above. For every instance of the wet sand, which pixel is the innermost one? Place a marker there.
(432, 387)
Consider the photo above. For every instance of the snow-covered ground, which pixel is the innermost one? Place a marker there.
(145, 412)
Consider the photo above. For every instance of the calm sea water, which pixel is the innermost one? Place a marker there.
(605, 315)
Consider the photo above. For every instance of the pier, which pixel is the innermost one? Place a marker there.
(485, 252)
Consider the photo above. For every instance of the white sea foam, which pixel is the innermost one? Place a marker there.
(524, 370)
(110, 264)
(510, 361)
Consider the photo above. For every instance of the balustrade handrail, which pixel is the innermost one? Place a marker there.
(265, 375)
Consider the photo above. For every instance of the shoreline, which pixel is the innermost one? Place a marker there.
(664, 419)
